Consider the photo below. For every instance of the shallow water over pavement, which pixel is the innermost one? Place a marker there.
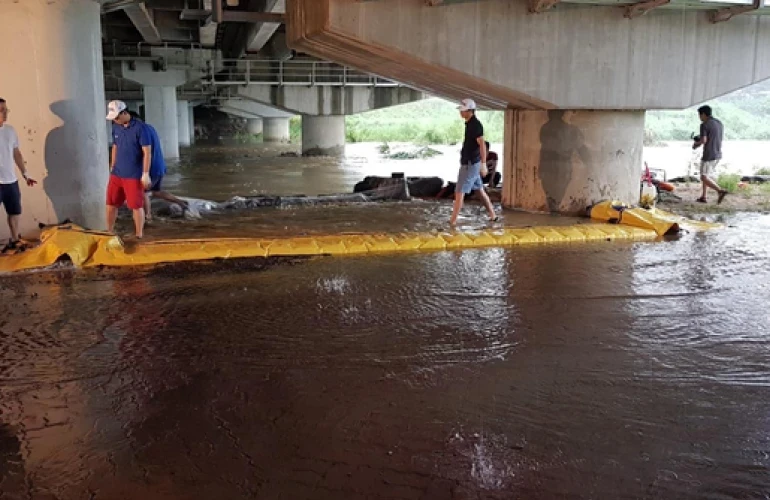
(590, 371)
(578, 371)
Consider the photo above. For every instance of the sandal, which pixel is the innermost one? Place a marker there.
(721, 198)
(702, 200)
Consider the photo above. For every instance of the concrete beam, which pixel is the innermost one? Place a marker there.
(142, 18)
(641, 8)
(263, 32)
(255, 109)
(237, 112)
(325, 101)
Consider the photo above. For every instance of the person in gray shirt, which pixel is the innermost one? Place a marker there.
(711, 132)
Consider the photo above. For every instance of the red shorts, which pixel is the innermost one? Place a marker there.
(121, 190)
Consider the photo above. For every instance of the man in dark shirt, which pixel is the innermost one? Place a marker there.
(711, 131)
(472, 157)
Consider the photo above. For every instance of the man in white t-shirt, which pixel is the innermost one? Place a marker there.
(10, 194)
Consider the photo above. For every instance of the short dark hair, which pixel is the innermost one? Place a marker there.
(705, 110)
(134, 114)
(2, 101)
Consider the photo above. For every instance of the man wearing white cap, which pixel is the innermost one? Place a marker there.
(472, 157)
(130, 166)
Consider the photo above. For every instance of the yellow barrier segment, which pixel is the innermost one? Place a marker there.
(91, 248)
(660, 221)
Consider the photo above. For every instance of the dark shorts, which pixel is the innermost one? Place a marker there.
(10, 198)
(157, 184)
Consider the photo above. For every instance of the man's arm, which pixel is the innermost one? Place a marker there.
(114, 156)
(703, 139)
(147, 150)
(19, 159)
(482, 149)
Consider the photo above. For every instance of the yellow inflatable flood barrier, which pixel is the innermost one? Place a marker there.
(90, 248)
(660, 221)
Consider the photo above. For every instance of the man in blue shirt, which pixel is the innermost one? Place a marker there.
(130, 166)
(157, 171)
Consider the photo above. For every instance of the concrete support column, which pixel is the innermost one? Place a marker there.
(275, 130)
(191, 125)
(160, 112)
(323, 135)
(563, 161)
(54, 84)
(183, 117)
(254, 126)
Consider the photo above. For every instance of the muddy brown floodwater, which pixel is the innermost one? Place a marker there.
(601, 371)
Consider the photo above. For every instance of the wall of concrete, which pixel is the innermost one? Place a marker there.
(54, 84)
(574, 57)
(328, 100)
(564, 161)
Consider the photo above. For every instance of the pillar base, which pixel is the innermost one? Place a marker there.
(254, 126)
(563, 161)
(323, 135)
(276, 130)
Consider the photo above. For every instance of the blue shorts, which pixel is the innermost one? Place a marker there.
(469, 178)
(10, 198)
(157, 183)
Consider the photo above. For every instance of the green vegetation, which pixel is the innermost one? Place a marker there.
(763, 171)
(745, 114)
(729, 182)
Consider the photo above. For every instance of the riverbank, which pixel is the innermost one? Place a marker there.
(742, 198)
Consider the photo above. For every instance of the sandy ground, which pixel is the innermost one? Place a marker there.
(746, 198)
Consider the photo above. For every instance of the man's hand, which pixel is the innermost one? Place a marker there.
(30, 181)
(146, 182)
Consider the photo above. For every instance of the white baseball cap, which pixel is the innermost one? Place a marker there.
(114, 108)
(467, 105)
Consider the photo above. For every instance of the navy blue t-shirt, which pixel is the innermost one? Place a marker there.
(129, 140)
(157, 164)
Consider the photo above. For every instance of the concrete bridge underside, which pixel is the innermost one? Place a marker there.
(589, 60)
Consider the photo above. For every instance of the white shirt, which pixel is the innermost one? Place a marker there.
(8, 142)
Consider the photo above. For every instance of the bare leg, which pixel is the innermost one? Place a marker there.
(487, 203)
(13, 225)
(147, 207)
(165, 195)
(112, 216)
(708, 182)
(458, 205)
(139, 222)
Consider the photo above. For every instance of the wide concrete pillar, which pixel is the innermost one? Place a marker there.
(563, 161)
(191, 125)
(275, 130)
(54, 84)
(323, 135)
(254, 126)
(160, 112)
(183, 117)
